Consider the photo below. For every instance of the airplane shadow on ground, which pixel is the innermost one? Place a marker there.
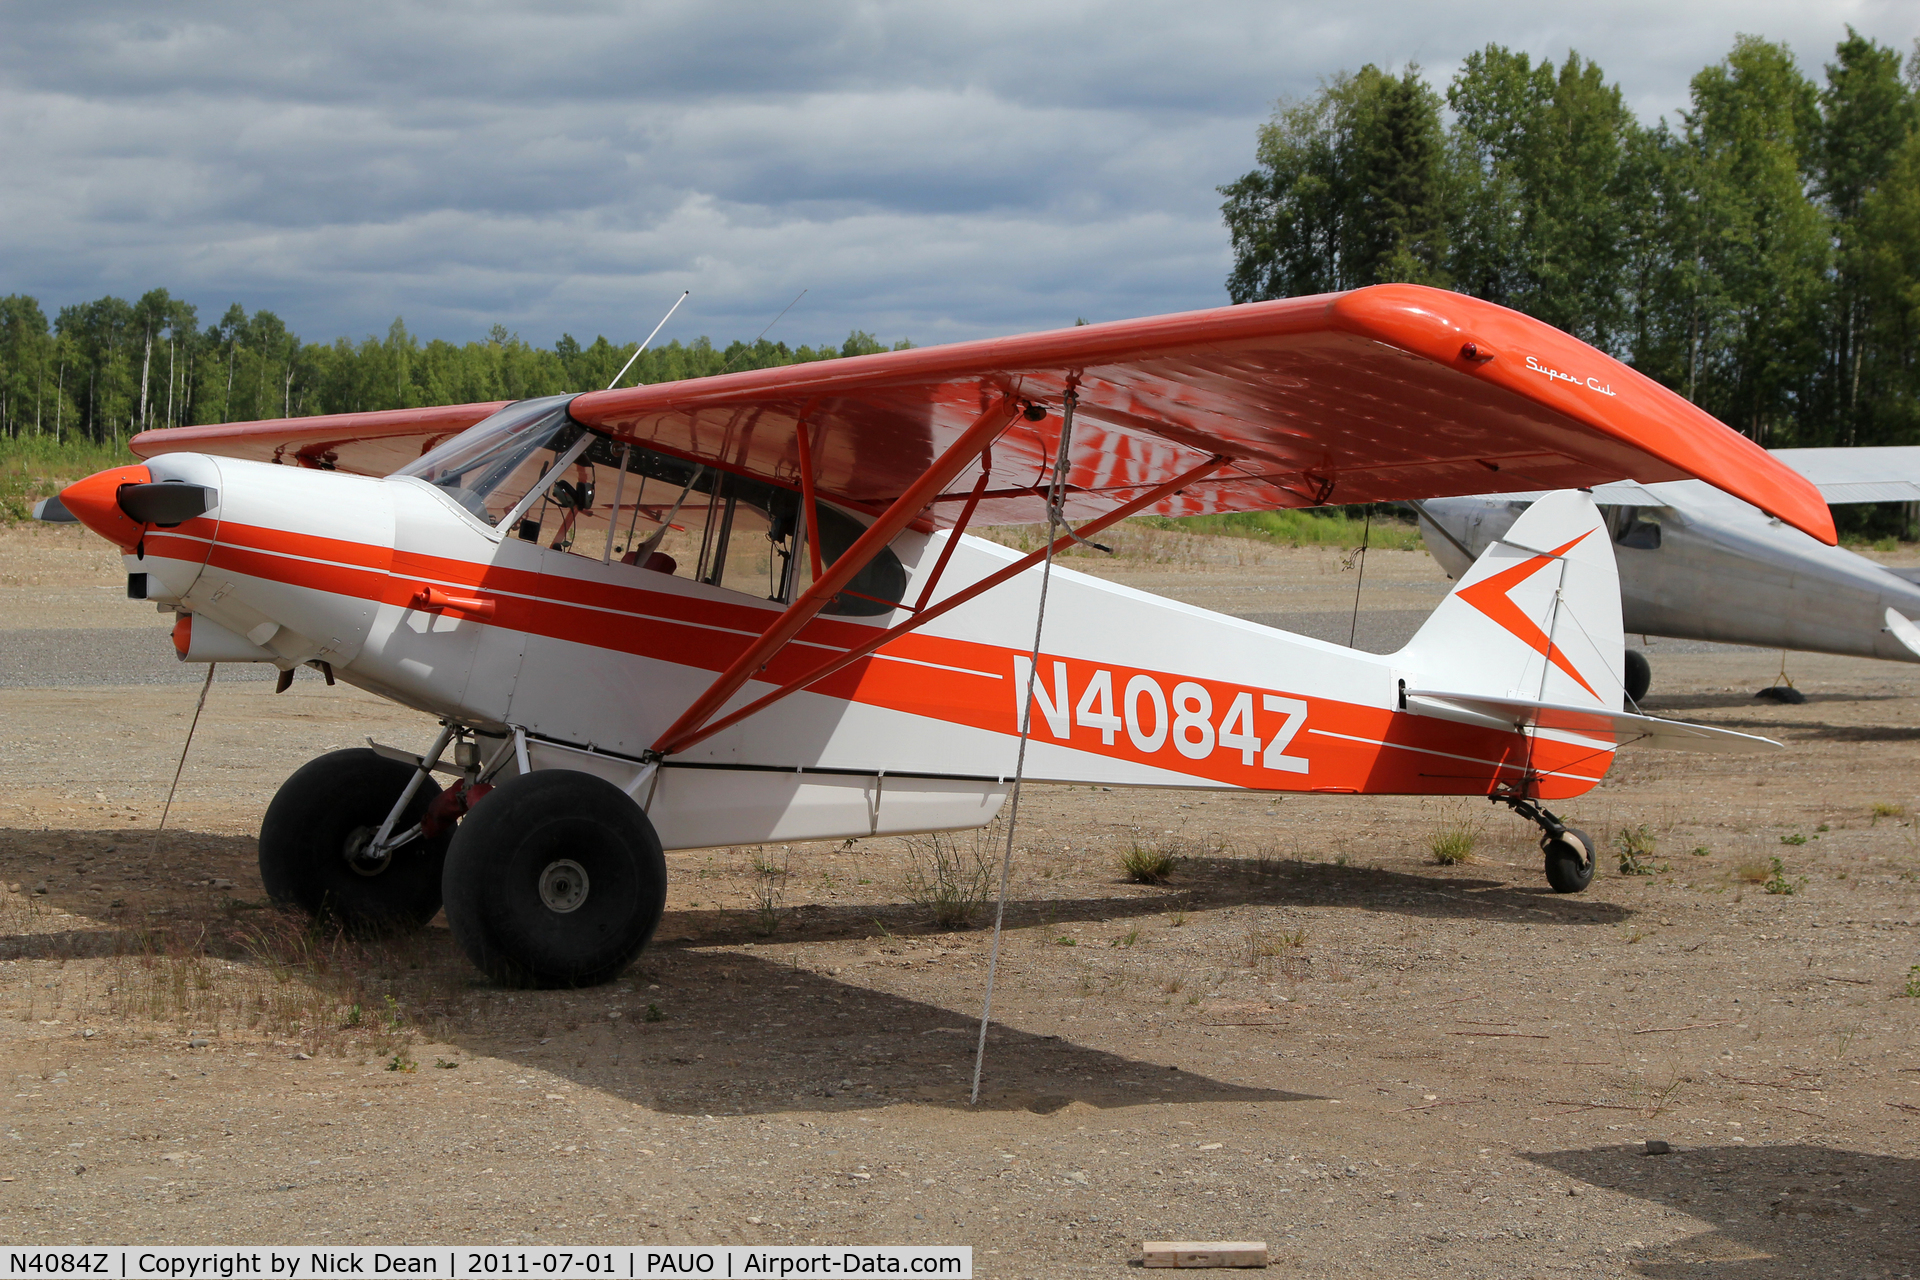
(1670, 705)
(748, 1034)
(696, 1031)
(1784, 730)
(1790, 1210)
(736, 1030)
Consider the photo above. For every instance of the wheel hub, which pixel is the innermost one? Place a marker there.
(563, 885)
(359, 859)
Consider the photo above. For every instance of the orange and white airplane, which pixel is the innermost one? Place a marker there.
(744, 608)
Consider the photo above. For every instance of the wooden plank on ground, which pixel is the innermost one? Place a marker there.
(1204, 1253)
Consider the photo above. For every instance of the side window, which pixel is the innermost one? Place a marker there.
(654, 516)
(747, 548)
(1633, 529)
(876, 589)
(668, 515)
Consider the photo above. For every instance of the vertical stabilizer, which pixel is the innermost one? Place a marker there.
(1536, 618)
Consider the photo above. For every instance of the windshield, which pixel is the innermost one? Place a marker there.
(490, 466)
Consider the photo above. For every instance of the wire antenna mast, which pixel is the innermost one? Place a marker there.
(650, 337)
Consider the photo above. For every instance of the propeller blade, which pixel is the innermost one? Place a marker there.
(54, 511)
(166, 502)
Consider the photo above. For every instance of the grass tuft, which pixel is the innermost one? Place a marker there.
(951, 876)
(1452, 843)
(1149, 864)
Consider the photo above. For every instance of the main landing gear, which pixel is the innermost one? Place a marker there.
(1570, 852)
(556, 879)
(551, 879)
(317, 843)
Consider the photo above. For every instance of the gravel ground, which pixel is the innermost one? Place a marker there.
(1311, 1035)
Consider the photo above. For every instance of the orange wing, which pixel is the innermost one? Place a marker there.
(375, 444)
(1391, 392)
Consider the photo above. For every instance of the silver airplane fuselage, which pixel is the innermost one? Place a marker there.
(1701, 565)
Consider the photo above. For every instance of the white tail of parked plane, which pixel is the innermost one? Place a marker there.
(1537, 617)
(1530, 637)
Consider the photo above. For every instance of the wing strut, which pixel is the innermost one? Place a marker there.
(678, 739)
(959, 527)
(960, 455)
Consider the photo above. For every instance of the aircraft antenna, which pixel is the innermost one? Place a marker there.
(763, 333)
(1056, 496)
(650, 337)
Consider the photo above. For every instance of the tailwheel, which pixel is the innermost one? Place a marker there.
(315, 840)
(1570, 860)
(1570, 852)
(554, 879)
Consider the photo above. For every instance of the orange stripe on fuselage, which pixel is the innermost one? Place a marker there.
(1366, 749)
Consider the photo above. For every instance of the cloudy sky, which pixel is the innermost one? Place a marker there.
(938, 171)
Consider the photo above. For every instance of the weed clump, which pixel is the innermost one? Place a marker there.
(769, 890)
(1912, 990)
(951, 881)
(1149, 864)
(1635, 846)
(1882, 809)
(1777, 882)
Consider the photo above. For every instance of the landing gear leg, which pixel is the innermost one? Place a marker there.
(1569, 851)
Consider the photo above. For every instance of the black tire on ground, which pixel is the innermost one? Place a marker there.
(1639, 675)
(555, 879)
(1567, 870)
(331, 806)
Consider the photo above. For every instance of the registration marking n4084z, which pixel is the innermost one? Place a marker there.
(1155, 720)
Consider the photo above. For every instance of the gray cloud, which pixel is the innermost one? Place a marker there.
(939, 171)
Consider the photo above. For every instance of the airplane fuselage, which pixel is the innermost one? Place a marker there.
(591, 660)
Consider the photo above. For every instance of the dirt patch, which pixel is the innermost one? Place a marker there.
(1310, 1033)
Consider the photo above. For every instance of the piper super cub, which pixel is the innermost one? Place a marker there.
(743, 608)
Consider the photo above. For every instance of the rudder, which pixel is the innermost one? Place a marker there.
(1537, 617)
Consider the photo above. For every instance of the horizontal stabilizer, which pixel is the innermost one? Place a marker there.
(1623, 728)
(1904, 631)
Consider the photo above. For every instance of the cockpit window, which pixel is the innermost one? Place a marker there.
(490, 466)
(673, 516)
(622, 503)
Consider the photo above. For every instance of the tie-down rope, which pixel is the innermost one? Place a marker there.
(180, 768)
(1056, 493)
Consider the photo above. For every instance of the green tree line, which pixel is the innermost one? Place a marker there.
(102, 370)
(1761, 256)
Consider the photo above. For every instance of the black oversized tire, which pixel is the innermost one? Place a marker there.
(315, 819)
(1567, 872)
(555, 879)
(1639, 675)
